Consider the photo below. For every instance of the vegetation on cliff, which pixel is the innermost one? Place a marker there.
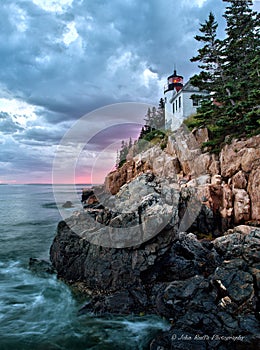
(152, 133)
(230, 72)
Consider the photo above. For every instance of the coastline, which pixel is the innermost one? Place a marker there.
(139, 261)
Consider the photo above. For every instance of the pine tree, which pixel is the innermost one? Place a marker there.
(154, 122)
(154, 118)
(117, 159)
(161, 114)
(161, 103)
(148, 117)
(142, 133)
(123, 153)
(230, 72)
(208, 54)
(130, 144)
(210, 78)
(241, 51)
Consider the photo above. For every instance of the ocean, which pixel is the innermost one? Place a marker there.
(40, 312)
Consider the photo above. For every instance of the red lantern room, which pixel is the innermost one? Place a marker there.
(174, 81)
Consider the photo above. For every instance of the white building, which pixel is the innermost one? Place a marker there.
(178, 102)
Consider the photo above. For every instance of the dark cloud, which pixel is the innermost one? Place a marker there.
(116, 42)
(19, 162)
(68, 63)
(45, 135)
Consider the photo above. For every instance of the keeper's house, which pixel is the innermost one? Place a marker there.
(178, 102)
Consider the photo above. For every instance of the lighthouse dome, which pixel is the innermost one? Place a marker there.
(174, 81)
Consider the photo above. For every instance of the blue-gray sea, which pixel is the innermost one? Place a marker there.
(41, 312)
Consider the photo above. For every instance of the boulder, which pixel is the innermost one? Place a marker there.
(116, 179)
(214, 167)
(68, 204)
(239, 180)
(244, 154)
(204, 288)
(218, 310)
(241, 206)
(227, 210)
(201, 135)
(125, 301)
(216, 179)
(254, 193)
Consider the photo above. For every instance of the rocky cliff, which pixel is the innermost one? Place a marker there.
(228, 182)
(152, 241)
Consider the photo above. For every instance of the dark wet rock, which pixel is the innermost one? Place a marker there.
(202, 218)
(86, 193)
(186, 257)
(95, 206)
(234, 281)
(204, 288)
(207, 222)
(222, 306)
(183, 279)
(68, 204)
(89, 199)
(41, 267)
(240, 244)
(123, 302)
(101, 268)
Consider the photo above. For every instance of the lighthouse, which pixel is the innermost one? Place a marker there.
(173, 86)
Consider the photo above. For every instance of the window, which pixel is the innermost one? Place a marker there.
(195, 101)
(176, 105)
(173, 108)
(165, 99)
(180, 102)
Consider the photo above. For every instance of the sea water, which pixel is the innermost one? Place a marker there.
(40, 312)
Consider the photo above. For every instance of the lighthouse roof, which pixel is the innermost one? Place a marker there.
(175, 75)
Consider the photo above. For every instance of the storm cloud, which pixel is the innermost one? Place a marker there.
(61, 59)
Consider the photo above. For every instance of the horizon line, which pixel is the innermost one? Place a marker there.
(49, 183)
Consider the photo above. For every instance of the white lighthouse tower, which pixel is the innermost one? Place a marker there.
(173, 86)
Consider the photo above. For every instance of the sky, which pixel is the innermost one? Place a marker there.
(76, 77)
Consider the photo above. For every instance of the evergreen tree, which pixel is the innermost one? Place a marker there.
(123, 153)
(241, 51)
(154, 118)
(117, 159)
(148, 117)
(146, 129)
(230, 72)
(208, 55)
(154, 121)
(161, 114)
(130, 144)
(210, 77)
(161, 104)
(152, 130)
(142, 133)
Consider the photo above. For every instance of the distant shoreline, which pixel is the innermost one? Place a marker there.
(48, 184)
